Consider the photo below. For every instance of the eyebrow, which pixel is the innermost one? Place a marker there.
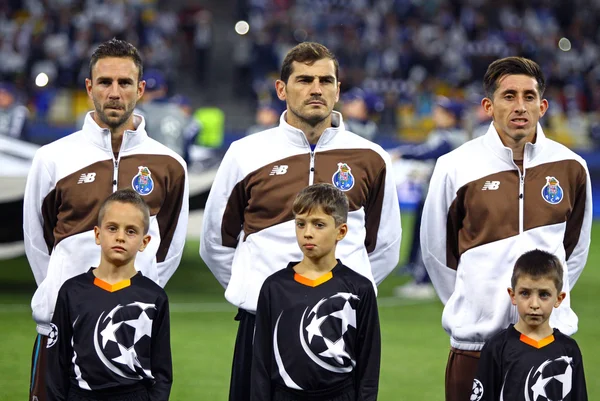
(514, 91)
(312, 77)
(120, 80)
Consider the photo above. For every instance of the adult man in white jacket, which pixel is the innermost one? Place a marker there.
(491, 200)
(71, 177)
(248, 231)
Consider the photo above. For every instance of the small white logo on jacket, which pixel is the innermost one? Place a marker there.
(86, 178)
(491, 185)
(279, 170)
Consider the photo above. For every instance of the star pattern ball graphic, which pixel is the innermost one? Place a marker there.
(123, 338)
(551, 381)
(324, 328)
(477, 391)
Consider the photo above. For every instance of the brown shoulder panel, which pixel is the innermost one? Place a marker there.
(264, 198)
(75, 202)
(166, 198)
(544, 208)
(484, 211)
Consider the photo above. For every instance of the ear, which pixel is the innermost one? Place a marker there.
(145, 242)
(337, 95)
(512, 294)
(280, 89)
(97, 234)
(140, 89)
(561, 296)
(88, 87)
(543, 107)
(488, 106)
(342, 230)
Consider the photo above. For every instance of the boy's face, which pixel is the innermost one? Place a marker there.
(317, 234)
(121, 234)
(535, 298)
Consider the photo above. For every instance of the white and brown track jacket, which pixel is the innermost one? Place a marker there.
(248, 229)
(68, 181)
(482, 213)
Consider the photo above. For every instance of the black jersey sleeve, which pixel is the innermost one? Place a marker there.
(488, 381)
(262, 349)
(60, 350)
(368, 346)
(161, 363)
(579, 387)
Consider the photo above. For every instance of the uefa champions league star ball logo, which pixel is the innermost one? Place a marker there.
(477, 391)
(323, 332)
(122, 335)
(52, 336)
(551, 381)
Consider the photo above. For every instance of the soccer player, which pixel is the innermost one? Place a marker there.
(110, 329)
(317, 328)
(247, 232)
(71, 177)
(530, 359)
(493, 199)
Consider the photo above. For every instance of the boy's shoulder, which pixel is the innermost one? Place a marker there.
(565, 339)
(78, 280)
(148, 284)
(351, 275)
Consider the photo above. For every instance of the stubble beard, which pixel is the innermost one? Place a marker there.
(110, 122)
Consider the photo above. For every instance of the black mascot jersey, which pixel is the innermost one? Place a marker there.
(109, 336)
(316, 336)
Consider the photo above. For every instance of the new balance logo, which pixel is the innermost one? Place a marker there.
(491, 185)
(86, 178)
(279, 170)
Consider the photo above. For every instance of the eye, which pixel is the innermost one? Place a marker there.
(131, 232)
(509, 97)
(112, 229)
(530, 98)
(544, 295)
(320, 225)
(299, 224)
(524, 293)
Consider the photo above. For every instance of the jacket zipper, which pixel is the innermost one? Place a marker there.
(115, 175)
(311, 173)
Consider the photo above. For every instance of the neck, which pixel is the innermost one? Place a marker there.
(315, 268)
(112, 273)
(536, 333)
(312, 132)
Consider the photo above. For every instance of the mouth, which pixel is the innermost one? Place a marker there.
(519, 122)
(316, 103)
(118, 249)
(309, 246)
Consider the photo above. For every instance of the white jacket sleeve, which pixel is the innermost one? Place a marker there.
(579, 228)
(384, 257)
(179, 201)
(434, 232)
(215, 250)
(39, 185)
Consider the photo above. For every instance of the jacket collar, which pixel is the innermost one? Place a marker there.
(298, 138)
(493, 141)
(101, 136)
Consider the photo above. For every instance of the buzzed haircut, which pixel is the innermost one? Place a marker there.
(325, 196)
(117, 48)
(512, 66)
(308, 53)
(538, 264)
(131, 197)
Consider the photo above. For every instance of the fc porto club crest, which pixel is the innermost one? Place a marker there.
(142, 183)
(343, 178)
(552, 192)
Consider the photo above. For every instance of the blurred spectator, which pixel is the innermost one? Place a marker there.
(357, 108)
(267, 116)
(447, 135)
(167, 122)
(13, 115)
(203, 39)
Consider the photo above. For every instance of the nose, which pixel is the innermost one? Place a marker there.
(520, 105)
(120, 236)
(316, 88)
(114, 91)
(307, 232)
(534, 304)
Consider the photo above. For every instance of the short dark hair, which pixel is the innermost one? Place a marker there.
(117, 48)
(329, 198)
(131, 197)
(308, 53)
(538, 264)
(512, 66)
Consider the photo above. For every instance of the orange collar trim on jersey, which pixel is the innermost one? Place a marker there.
(313, 283)
(537, 344)
(112, 287)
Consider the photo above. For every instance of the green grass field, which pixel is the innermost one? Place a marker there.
(415, 347)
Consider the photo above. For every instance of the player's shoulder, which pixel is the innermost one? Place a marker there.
(356, 141)
(258, 140)
(560, 151)
(155, 147)
(57, 149)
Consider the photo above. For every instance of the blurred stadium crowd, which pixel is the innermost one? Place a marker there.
(395, 55)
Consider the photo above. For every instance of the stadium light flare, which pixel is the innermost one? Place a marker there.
(564, 44)
(242, 27)
(41, 79)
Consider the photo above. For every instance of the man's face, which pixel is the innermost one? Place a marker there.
(310, 92)
(516, 108)
(114, 88)
(6, 99)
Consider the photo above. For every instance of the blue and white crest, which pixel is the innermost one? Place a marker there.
(552, 192)
(343, 178)
(142, 183)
